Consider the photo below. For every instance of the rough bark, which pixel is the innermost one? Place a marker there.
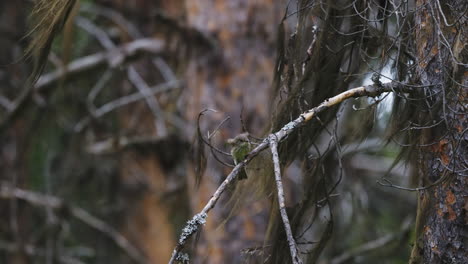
(442, 223)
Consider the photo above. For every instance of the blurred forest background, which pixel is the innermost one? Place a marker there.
(99, 162)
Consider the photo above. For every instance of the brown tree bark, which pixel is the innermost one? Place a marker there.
(442, 223)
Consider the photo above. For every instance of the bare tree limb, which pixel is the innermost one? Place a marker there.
(281, 201)
(199, 219)
(112, 145)
(125, 100)
(112, 58)
(135, 78)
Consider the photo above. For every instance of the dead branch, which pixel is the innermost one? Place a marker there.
(113, 58)
(125, 100)
(281, 201)
(199, 219)
(113, 145)
(135, 78)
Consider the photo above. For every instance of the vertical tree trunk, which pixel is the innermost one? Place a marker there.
(442, 223)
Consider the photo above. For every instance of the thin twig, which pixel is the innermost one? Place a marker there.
(123, 101)
(96, 31)
(112, 145)
(281, 201)
(213, 148)
(97, 88)
(135, 78)
(208, 142)
(166, 71)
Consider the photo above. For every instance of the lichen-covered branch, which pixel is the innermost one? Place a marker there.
(369, 90)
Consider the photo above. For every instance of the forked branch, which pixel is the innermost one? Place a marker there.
(199, 219)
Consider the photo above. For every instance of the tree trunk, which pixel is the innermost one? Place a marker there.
(442, 223)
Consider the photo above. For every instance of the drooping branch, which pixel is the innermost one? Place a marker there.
(199, 219)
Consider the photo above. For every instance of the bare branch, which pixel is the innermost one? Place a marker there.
(113, 145)
(281, 201)
(113, 58)
(123, 101)
(135, 78)
(200, 218)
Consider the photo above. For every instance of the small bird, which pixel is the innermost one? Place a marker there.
(258, 177)
(240, 148)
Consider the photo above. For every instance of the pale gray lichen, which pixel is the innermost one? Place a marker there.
(289, 126)
(192, 226)
(183, 258)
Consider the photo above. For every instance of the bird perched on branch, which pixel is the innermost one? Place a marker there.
(258, 178)
(258, 173)
(240, 148)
